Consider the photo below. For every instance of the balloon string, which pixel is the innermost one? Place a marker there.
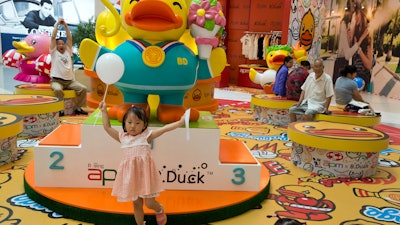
(187, 118)
(105, 93)
(104, 100)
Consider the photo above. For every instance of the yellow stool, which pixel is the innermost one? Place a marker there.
(39, 112)
(10, 126)
(271, 109)
(336, 149)
(337, 115)
(45, 89)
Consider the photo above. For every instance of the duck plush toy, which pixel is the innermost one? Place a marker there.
(25, 57)
(154, 61)
(275, 58)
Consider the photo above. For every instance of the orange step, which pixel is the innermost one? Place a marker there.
(64, 135)
(231, 151)
(234, 151)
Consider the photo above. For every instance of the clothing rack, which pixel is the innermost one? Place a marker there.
(260, 32)
(255, 43)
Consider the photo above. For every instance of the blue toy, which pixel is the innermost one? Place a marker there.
(360, 83)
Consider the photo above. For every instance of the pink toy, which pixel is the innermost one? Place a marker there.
(12, 58)
(33, 46)
(43, 63)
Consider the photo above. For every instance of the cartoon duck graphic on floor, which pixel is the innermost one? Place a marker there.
(155, 62)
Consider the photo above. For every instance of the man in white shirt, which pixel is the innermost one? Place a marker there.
(316, 94)
(61, 73)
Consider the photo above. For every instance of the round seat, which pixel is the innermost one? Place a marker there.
(272, 101)
(337, 115)
(45, 89)
(336, 149)
(40, 89)
(11, 125)
(39, 112)
(271, 109)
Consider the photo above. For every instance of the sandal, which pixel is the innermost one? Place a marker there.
(161, 217)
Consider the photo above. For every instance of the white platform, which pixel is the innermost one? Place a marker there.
(184, 164)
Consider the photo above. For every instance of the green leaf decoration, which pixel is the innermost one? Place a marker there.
(213, 2)
(209, 24)
(279, 47)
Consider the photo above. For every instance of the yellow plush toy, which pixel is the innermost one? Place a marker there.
(275, 56)
(154, 61)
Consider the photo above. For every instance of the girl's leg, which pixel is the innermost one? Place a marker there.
(151, 203)
(138, 211)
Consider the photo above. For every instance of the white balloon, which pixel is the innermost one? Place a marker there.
(109, 68)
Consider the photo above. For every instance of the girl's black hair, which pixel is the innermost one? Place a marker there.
(139, 112)
(285, 60)
(348, 69)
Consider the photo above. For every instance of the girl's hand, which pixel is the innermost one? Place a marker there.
(103, 106)
(182, 120)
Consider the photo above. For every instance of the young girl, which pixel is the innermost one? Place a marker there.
(137, 178)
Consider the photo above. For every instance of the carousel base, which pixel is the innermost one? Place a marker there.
(96, 205)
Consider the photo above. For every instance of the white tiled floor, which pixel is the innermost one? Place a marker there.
(389, 108)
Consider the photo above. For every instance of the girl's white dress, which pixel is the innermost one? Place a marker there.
(137, 174)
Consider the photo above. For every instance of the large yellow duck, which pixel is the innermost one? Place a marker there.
(275, 56)
(154, 61)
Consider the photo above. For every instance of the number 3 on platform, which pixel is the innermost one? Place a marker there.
(239, 174)
(58, 157)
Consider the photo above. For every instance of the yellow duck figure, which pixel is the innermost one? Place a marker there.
(275, 56)
(154, 61)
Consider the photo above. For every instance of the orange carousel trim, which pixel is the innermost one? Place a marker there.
(96, 205)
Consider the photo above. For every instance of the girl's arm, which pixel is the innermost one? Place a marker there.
(106, 122)
(357, 96)
(344, 42)
(166, 128)
(367, 57)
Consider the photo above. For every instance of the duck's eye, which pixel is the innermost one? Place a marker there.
(177, 4)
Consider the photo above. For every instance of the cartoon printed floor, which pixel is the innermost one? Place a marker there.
(294, 192)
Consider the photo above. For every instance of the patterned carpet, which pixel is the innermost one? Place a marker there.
(294, 192)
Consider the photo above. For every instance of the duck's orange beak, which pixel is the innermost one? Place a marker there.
(153, 15)
(23, 47)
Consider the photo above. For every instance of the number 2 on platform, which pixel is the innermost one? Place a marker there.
(59, 156)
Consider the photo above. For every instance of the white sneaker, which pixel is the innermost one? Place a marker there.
(364, 111)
